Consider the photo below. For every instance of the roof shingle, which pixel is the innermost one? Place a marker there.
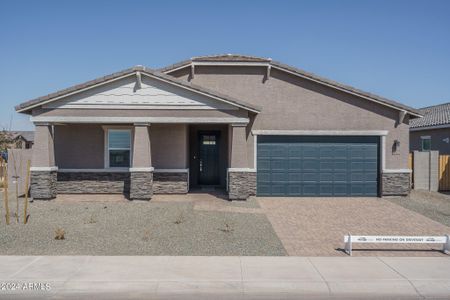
(302, 73)
(433, 116)
(23, 107)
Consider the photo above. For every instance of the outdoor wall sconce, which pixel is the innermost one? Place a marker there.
(396, 146)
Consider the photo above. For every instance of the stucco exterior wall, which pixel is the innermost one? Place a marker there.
(437, 140)
(82, 146)
(79, 146)
(293, 103)
(169, 147)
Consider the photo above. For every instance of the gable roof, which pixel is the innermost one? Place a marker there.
(236, 58)
(26, 107)
(26, 135)
(437, 115)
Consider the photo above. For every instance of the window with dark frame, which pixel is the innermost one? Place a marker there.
(426, 143)
(119, 148)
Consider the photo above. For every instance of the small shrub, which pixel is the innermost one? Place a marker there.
(59, 234)
(226, 227)
(146, 236)
(179, 219)
(91, 220)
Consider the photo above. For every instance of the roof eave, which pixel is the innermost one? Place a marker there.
(27, 106)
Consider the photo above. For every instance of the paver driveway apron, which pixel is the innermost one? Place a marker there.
(316, 226)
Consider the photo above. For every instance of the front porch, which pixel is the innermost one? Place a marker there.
(141, 159)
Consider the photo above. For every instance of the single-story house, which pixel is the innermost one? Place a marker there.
(249, 125)
(22, 139)
(432, 132)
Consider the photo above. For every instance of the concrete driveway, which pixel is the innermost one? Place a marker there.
(316, 226)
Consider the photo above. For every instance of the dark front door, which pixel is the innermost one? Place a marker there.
(209, 158)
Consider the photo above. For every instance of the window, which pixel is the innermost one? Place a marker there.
(209, 140)
(119, 148)
(426, 143)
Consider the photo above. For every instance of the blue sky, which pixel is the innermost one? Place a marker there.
(397, 49)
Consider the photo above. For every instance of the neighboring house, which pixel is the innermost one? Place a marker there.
(246, 124)
(22, 139)
(432, 132)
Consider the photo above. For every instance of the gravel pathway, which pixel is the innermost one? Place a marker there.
(137, 228)
(435, 206)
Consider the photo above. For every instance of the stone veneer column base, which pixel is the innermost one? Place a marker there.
(395, 184)
(43, 184)
(241, 184)
(141, 185)
(170, 182)
(93, 183)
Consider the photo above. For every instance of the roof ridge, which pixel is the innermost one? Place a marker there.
(323, 80)
(436, 105)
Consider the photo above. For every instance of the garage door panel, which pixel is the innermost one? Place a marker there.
(281, 151)
(295, 177)
(264, 165)
(317, 166)
(310, 164)
(263, 177)
(279, 177)
(310, 152)
(310, 189)
(326, 165)
(279, 189)
(279, 164)
(325, 176)
(370, 189)
(326, 189)
(295, 164)
(371, 165)
(340, 189)
(295, 189)
(340, 177)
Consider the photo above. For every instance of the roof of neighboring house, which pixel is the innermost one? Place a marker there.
(27, 135)
(252, 59)
(436, 115)
(28, 105)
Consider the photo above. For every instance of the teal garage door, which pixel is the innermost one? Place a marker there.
(317, 166)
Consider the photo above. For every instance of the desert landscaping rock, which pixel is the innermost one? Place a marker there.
(435, 206)
(137, 228)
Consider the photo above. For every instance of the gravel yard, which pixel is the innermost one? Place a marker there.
(138, 228)
(435, 206)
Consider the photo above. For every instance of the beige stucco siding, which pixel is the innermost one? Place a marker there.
(293, 103)
(437, 136)
(169, 146)
(82, 146)
(79, 146)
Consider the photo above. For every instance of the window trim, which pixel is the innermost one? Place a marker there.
(422, 139)
(107, 129)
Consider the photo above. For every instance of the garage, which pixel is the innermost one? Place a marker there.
(317, 166)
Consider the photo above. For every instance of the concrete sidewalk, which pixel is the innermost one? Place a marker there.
(163, 277)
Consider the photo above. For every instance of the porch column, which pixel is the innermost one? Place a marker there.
(141, 171)
(241, 179)
(43, 169)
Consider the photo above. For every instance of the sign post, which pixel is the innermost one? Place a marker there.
(365, 239)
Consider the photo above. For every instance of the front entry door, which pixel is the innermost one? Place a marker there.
(209, 158)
